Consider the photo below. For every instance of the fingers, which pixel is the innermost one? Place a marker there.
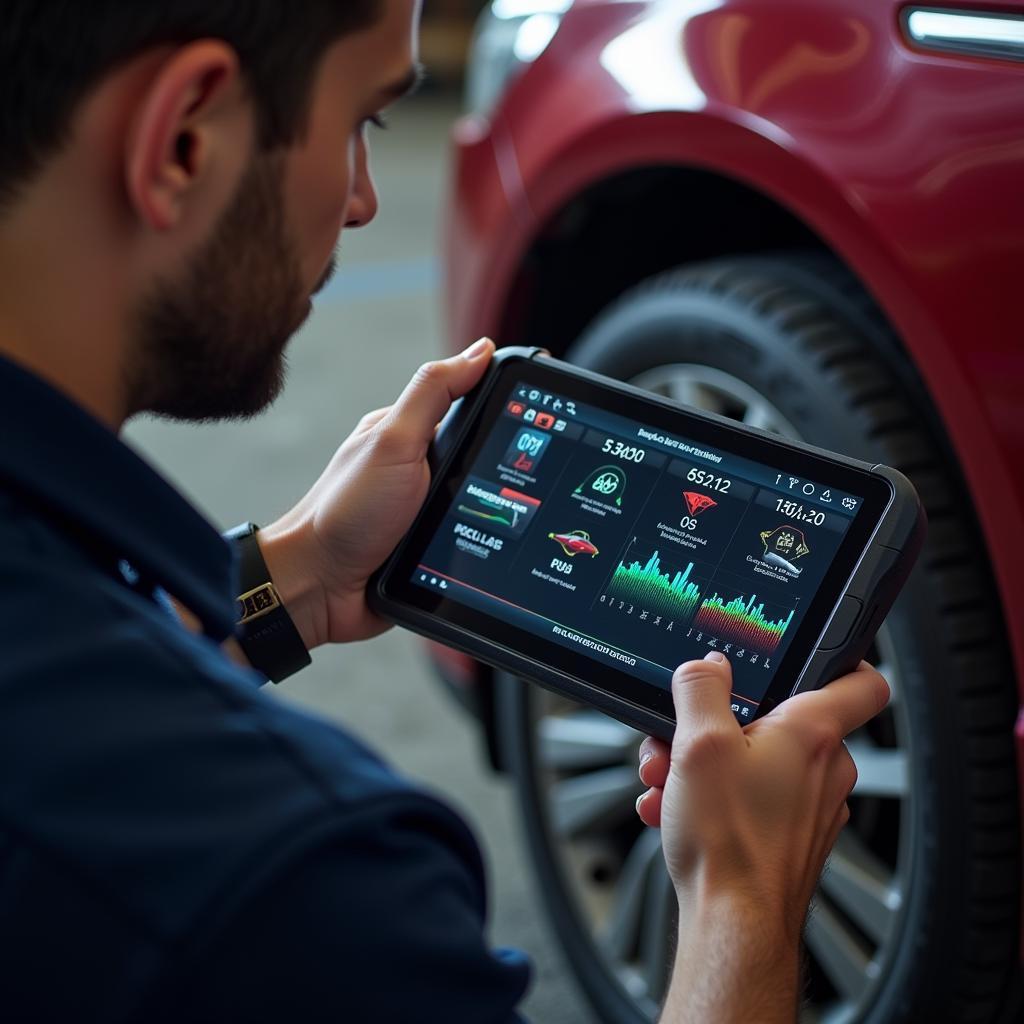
(844, 704)
(701, 693)
(654, 762)
(648, 807)
(429, 395)
(654, 768)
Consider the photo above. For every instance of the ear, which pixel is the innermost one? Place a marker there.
(192, 129)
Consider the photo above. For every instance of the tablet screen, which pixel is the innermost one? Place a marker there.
(631, 546)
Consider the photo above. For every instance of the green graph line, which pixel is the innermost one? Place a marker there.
(648, 587)
(485, 515)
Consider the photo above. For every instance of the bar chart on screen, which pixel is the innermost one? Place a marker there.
(744, 621)
(646, 583)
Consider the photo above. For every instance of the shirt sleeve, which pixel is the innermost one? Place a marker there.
(383, 921)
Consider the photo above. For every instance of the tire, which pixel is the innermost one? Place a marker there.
(923, 895)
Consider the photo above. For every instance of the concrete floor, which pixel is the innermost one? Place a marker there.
(377, 321)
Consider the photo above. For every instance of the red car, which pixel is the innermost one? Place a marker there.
(575, 542)
(809, 216)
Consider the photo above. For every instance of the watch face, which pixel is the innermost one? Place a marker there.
(258, 602)
(613, 538)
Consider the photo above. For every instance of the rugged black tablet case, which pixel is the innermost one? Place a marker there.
(870, 592)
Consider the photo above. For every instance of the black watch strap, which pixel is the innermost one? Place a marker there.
(265, 629)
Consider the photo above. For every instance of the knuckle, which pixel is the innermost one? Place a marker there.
(697, 673)
(882, 690)
(698, 751)
(822, 737)
(388, 441)
(367, 420)
(848, 773)
(429, 373)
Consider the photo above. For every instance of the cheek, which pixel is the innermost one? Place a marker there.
(318, 197)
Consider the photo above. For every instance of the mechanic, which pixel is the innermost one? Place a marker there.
(174, 843)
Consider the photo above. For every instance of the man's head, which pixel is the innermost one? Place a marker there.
(191, 164)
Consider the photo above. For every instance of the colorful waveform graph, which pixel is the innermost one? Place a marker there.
(647, 586)
(742, 621)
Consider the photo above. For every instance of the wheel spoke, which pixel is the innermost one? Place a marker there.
(594, 799)
(861, 886)
(838, 1013)
(659, 913)
(621, 936)
(760, 415)
(584, 739)
(686, 390)
(881, 771)
(839, 952)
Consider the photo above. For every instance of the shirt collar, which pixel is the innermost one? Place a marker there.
(105, 494)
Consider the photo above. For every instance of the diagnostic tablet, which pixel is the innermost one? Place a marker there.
(590, 537)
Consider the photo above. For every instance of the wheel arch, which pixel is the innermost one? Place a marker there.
(727, 170)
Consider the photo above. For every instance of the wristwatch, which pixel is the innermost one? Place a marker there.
(265, 631)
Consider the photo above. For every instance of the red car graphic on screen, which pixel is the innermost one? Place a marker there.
(575, 542)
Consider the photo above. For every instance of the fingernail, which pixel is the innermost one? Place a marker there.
(645, 757)
(639, 800)
(714, 656)
(477, 349)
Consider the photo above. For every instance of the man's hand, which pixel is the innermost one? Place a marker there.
(748, 817)
(323, 551)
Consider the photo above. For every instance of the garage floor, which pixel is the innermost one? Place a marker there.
(376, 322)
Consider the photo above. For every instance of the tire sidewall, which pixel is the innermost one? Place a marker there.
(661, 327)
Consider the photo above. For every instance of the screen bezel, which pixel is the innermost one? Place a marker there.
(396, 582)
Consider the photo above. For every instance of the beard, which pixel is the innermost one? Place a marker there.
(212, 343)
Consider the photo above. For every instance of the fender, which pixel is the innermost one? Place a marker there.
(930, 241)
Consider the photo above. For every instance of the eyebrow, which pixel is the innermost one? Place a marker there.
(404, 86)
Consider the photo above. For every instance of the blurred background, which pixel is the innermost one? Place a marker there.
(375, 323)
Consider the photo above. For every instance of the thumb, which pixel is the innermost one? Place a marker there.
(701, 691)
(430, 393)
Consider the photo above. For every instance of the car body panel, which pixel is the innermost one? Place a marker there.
(908, 165)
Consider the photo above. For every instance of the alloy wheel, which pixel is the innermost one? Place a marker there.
(586, 768)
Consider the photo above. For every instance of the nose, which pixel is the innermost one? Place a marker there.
(362, 204)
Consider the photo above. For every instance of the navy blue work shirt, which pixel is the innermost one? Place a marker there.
(176, 845)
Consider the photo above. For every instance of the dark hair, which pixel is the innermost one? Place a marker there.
(53, 52)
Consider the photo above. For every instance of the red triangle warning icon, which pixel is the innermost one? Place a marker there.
(697, 503)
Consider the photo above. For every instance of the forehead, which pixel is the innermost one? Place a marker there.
(378, 55)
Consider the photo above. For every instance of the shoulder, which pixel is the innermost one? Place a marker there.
(165, 809)
(144, 761)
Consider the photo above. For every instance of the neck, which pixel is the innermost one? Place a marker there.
(82, 379)
(61, 302)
